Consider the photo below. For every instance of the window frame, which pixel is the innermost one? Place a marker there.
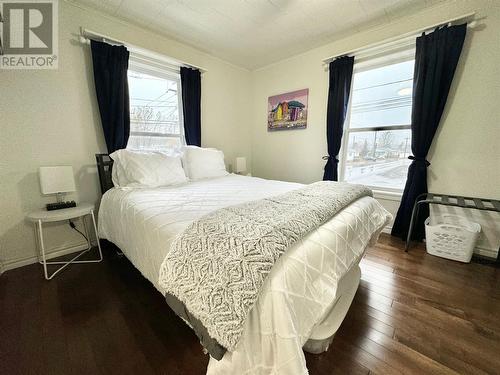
(359, 67)
(143, 66)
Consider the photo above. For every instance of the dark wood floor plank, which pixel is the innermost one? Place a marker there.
(457, 348)
(430, 345)
(362, 357)
(361, 318)
(405, 358)
(470, 307)
(52, 327)
(415, 331)
(334, 362)
(420, 263)
(412, 314)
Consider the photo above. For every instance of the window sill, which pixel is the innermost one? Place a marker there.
(387, 195)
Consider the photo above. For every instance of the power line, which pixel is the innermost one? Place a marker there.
(383, 84)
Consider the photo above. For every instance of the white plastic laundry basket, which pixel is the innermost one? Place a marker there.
(451, 236)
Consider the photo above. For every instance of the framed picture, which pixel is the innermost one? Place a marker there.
(287, 111)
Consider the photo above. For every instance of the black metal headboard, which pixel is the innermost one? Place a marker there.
(104, 168)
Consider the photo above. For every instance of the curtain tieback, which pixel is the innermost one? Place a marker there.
(419, 159)
(333, 159)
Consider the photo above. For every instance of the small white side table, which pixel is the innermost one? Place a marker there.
(44, 216)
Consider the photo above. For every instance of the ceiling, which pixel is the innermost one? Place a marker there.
(255, 33)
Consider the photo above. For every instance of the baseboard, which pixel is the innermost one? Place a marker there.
(54, 253)
(387, 229)
(488, 253)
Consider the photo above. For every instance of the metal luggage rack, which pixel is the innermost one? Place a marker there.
(482, 204)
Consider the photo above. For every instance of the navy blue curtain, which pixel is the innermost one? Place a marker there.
(191, 105)
(111, 86)
(436, 60)
(338, 99)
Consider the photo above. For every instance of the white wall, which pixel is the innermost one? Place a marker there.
(465, 154)
(51, 117)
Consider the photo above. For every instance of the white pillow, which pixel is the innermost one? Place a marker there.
(203, 162)
(149, 169)
(118, 175)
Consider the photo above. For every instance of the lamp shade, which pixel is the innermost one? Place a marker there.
(241, 164)
(58, 179)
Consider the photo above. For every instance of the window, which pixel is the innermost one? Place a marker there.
(377, 138)
(155, 109)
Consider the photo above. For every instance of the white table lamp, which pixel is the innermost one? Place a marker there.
(241, 164)
(57, 180)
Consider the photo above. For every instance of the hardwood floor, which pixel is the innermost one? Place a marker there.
(413, 314)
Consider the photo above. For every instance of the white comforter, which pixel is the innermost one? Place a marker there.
(299, 290)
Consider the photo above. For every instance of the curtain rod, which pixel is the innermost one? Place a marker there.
(405, 36)
(86, 35)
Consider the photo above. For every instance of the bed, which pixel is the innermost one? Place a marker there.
(305, 297)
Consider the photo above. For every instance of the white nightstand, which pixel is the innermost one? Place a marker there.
(44, 216)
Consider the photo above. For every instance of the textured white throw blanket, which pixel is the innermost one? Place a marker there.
(217, 266)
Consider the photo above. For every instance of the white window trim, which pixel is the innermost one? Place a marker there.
(389, 59)
(150, 67)
(387, 195)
